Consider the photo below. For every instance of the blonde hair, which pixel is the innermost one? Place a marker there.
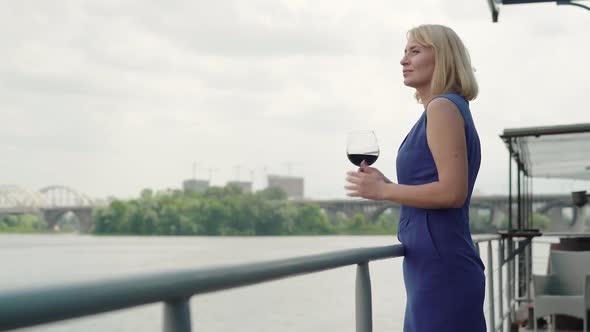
(452, 68)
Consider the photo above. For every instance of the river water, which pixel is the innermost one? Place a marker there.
(318, 302)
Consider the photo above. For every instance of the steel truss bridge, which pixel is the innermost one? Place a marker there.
(49, 203)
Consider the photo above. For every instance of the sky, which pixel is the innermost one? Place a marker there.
(110, 97)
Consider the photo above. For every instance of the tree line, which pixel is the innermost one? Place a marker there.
(227, 211)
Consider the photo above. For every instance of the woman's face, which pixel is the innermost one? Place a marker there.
(417, 65)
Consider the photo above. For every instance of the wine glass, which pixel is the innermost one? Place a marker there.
(362, 145)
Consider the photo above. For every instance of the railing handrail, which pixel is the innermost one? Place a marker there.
(478, 238)
(28, 307)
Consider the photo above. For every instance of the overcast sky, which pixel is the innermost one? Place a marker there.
(110, 97)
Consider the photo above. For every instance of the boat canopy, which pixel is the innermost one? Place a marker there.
(560, 152)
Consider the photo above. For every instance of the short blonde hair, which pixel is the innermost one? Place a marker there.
(452, 69)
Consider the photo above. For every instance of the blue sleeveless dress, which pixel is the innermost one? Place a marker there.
(443, 274)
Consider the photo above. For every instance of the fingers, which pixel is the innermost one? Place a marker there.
(353, 177)
(351, 187)
(363, 167)
(352, 191)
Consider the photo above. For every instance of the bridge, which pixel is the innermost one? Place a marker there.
(559, 208)
(50, 204)
(53, 202)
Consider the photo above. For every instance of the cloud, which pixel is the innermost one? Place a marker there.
(110, 97)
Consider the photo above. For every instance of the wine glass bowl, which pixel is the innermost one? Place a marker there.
(362, 145)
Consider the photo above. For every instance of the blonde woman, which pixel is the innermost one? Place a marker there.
(437, 165)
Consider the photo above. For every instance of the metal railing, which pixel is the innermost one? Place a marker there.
(478, 239)
(513, 282)
(29, 307)
(39, 306)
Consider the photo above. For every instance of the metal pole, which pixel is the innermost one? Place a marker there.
(525, 198)
(525, 201)
(518, 197)
(510, 186)
(521, 265)
(177, 316)
(501, 280)
(531, 205)
(491, 287)
(530, 282)
(529, 249)
(531, 201)
(511, 287)
(527, 260)
(364, 310)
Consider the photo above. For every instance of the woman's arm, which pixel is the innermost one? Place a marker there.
(446, 139)
(445, 132)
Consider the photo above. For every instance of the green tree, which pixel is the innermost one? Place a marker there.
(309, 219)
(275, 218)
(388, 221)
(24, 223)
(227, 211)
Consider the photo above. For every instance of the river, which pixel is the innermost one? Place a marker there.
(318, 302)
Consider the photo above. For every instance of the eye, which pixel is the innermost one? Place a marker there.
(415, 51)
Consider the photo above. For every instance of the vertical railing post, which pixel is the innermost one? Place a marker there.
(510, 281)
(364, 309)
(501, 280)
(529, 267)
(529, 281)
(491, 288)
(177, 316)
(510, 185)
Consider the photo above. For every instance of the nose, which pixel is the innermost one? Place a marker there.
(404, 61)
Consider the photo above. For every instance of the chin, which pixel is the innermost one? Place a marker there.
(409, 84)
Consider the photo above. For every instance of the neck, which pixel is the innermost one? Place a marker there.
(425, 95)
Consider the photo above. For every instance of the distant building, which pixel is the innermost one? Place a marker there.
(292, 185)
(246, 186)
(195, 185)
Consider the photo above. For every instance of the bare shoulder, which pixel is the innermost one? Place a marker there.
(442, 109)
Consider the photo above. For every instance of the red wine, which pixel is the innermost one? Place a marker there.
(357, 159)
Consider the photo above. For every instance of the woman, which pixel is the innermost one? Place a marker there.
(437, 164)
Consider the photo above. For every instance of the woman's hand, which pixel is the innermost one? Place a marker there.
(367, 182)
